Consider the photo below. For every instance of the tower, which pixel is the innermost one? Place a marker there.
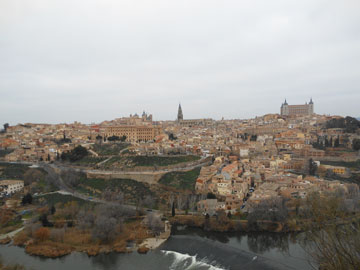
(311, 107)
(284, 108)
(180, 116)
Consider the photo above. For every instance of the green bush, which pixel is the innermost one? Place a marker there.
(109, 149)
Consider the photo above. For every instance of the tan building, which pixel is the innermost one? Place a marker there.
(195, 122)
(134, 133)
(11, 186)
(292, 110)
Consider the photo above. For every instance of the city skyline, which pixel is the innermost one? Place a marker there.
(229, 59)
(138, 113)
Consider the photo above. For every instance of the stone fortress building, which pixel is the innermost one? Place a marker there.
(292, 110)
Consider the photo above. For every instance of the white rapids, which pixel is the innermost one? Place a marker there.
(188, 262)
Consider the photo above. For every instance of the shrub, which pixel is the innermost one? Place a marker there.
(27, 199)
(76, 154)
(42, 234)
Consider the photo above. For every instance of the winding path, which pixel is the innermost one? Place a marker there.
(11, 234)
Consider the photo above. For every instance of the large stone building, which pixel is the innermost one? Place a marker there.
(135, 128)
(191, 122)
(292, 110)
(134, 133)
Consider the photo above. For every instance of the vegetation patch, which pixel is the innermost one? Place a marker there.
(4, 152)
(9, 221)
(148, 161)
(89, 161)
(348, 123)
(109, 149)
(14, 170)
(54, 198)
(181, 180)
(347, 164)
(162, 161)
(76, 154)
(133, 191)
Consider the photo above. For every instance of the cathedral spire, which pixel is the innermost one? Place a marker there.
(180, 113)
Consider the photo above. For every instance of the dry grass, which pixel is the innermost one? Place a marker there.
(49, 249)
(5, 241)
(75, 239)
(20, 239)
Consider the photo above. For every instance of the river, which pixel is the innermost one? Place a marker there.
(185, 249)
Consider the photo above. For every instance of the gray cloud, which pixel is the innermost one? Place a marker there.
(62, 61)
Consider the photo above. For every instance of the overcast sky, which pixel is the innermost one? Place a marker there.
(89, 61)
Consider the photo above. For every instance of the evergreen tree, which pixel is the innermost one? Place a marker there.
(27, 199)
(356, 144)
(326, 142)
(44, 221)
(312, 167)
(173, 210)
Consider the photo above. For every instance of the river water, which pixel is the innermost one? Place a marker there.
(186, 249)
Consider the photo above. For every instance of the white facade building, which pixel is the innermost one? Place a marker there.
(11, 186)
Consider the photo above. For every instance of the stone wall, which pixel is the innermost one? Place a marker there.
(150, 178)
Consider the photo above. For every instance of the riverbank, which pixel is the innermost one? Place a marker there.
(134, 237)
(225, 224)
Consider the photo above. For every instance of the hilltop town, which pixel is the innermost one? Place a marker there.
(199, 167)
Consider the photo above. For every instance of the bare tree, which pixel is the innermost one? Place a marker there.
(171, 200)
(32, 175)
(71, 209)
(34, 228)
(107, 195)
(119, 197)
(272, 209)
(71, 177)
(154, 223)
(57, 235)
(192, 202)
(86, 219)
(181, 202)
(104, 229)
(149, 201)
(332, 246)
(353, 190)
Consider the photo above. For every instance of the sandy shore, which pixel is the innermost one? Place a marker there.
(153, 243)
